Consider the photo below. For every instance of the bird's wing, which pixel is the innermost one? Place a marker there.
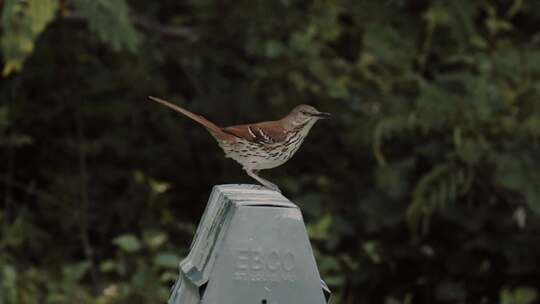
(263, 133)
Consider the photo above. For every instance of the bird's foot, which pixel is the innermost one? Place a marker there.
(272, 187)
(264, 182)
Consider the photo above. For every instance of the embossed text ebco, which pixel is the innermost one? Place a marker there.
(266, 265)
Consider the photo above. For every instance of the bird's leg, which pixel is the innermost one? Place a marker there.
(264, 182)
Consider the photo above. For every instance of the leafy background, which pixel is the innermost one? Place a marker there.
(425, 188)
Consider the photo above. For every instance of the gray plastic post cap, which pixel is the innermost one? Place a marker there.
(251, 246)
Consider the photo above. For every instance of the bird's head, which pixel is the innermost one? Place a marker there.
(304, 114)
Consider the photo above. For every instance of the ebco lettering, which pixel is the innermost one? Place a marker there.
(271, 265)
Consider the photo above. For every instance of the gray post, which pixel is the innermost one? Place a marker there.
(251, 247)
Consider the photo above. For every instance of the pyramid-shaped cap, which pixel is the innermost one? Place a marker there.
(251, 246)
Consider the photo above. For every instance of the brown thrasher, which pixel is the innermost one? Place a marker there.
(262, 145)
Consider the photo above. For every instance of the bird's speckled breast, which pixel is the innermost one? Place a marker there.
(257, 156)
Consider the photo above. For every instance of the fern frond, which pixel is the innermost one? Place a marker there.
(434, 191)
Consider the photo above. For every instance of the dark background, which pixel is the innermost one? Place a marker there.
(424, 188)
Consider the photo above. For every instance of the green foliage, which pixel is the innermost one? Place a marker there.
(8, 284)
(518, 173)
(444, 184)
(22, 22)
(522, 295)
(423, 189)
(109, 19)
(128, 243)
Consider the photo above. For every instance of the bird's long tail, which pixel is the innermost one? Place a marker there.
(210, 126)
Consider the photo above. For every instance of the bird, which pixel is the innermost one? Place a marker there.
(263, 145)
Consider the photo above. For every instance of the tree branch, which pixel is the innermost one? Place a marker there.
(166, 31)
(147, 25)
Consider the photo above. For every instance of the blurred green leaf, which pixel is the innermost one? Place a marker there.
(107, 266)
(22, 22)
(109, 19)
(8, 284)
(75, 272)
(154, 239)
(321, 228)
(127, 242)
(521, 295)
(158, 187)
(514, 174)
(526, 295)
(167, 260)
(371, 250)
(437, 15)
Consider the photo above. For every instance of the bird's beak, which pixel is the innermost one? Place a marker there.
(323, 115)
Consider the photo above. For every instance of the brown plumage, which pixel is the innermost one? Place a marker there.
(269, 131)
(263, 145)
